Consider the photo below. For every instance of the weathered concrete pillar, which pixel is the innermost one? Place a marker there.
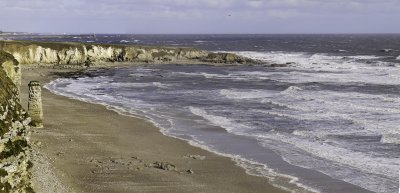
(35, 109)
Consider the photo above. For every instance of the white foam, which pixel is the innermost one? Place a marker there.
(231, 76)
(161, 85)
(353, 107)
(393, 138)
(398, 57)
(249, 94)
(220, 121)
(313, 61)
(375, 183)
(362, 161)
(384, 166)
(376, 114)
(292, 90)
(200, 41)
(325, 68)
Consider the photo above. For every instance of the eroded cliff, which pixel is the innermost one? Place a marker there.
(45, 53)
(14, 147)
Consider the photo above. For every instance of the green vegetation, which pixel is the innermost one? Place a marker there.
(4, 56)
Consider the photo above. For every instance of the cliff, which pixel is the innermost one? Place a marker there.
(14, 121)
(46, 53)
(14, 160)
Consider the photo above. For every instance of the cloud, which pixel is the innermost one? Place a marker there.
(89, 15)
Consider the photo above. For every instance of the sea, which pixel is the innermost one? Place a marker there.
(328, 120)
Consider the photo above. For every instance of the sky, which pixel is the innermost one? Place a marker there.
(200, 16)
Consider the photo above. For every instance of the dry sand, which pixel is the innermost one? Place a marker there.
(87, 148)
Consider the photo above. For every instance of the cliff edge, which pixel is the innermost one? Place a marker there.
(81, 54)
(14, 147)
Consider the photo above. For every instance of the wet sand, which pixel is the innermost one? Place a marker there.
(86, 148)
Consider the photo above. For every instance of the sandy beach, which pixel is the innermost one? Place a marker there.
(87, 148)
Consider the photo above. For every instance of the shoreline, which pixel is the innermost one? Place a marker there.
(107, 151)
(281, 181)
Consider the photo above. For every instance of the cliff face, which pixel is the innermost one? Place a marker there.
(85, 54)
(14, 161)
(11, 67)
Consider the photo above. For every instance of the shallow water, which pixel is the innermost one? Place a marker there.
(335, 112)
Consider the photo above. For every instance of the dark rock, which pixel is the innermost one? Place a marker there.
(164, 166)
(228, 58)
(386, 50)
(278, 65)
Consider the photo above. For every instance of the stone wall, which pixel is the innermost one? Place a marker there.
(14, 147)
(45, 53)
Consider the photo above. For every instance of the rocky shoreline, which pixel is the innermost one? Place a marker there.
(15, 165)
(85, 55)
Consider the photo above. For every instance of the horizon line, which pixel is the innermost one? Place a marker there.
(105, 33)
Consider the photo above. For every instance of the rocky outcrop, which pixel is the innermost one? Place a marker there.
(44, 53)
(14, 147)
(11, 67)
(228, 58)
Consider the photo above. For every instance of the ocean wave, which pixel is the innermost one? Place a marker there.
(252, 167)
(292, 90)
(303, 117)
(351, 167)
(363, 112)
(384, 74)
(383, 166)
(161, 85)
(314, 61)
(247, 94)
(377, 165)
(201, 41)
(220, 121)
(286, 182)
(362, 161)
(232, 76)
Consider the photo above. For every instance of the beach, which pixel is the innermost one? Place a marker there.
(85, 147)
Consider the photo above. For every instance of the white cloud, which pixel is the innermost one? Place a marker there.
(21, 14)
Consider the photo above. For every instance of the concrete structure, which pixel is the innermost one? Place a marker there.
(35, 109)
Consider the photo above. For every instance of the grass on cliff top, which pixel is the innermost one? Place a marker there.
(4, 56)
(78, 45)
